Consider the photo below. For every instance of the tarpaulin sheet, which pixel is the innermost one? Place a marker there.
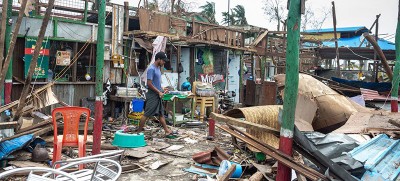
(9, 146)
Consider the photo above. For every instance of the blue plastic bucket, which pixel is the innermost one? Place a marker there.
(224, 166)
(137, 105)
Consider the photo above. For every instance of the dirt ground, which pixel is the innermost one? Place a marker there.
(193, 140)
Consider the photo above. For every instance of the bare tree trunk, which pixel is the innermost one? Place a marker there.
(32, 66)
(172, 6)
(3, 30)
(12, 44)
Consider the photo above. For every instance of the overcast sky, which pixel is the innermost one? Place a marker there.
(348, 12)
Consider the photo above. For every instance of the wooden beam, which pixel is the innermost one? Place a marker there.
(150, 34)
(381, 54)
(395, 122)
(196, 41)
(7, 125)
(245, 124)
(34, 126)
(336, 40)
(32, 66)
(228, 174)
(221, 27)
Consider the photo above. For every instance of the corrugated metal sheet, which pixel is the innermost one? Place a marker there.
(354, 42)
(381, 158)
(343, 29)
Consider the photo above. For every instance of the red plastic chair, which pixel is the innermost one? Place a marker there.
(71, 117)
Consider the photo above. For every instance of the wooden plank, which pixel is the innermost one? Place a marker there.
(194, 41)
(144, 19)
(221, 35)
(34, 126)
(43, 131)
(245, 124)
(228, 173)
(7, 125)
(259, 38)
(395, 122)
(234, 38)
(75, 64)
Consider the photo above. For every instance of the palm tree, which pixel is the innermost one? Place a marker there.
(208, 10)
(228, 18)
(239, 15)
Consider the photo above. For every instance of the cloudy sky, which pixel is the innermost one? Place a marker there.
(348, 12)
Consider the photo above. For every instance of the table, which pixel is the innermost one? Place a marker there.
(173, 99)
(125, 99)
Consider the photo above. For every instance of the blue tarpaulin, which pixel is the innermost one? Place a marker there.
(9, 146)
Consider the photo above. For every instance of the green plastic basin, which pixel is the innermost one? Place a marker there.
(126, 140)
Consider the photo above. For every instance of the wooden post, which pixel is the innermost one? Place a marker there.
(3, 29)
(376, 33)
(98, 123)
(8, 79)
(381, 55)
(338, 74)
(12, 45)
(396, 79)
(126, 24)
(291, 86)
(33, 63)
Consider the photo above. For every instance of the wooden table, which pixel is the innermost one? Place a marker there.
(125, 99)
(174, 100)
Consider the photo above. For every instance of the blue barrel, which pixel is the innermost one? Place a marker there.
(137, 105)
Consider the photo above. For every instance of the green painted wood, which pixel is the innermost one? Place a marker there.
(396, 72)
(292, 65)
(100, 47)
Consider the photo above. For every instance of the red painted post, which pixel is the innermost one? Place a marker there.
(291, 87)
(97, 127)
(211, 128)
(7, 91)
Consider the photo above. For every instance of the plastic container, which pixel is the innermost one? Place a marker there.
(126, 140)
(224, 166)
(137, 105)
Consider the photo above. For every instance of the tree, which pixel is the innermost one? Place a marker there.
(228, 18)
(239, 15)
(276, 11)
(208, 10)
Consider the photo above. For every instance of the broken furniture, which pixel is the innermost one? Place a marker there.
(103, 169)
(33, 177)
(112, 155)
(71, 117)
(123, 99)
(174, 98)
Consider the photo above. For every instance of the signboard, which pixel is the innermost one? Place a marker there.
(63, 58)
(211, 78)
(43, 61)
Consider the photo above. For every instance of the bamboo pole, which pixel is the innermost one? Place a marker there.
(32, 66)
(336, 40)
(291, 87)
(12, 45)
(395, 82)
